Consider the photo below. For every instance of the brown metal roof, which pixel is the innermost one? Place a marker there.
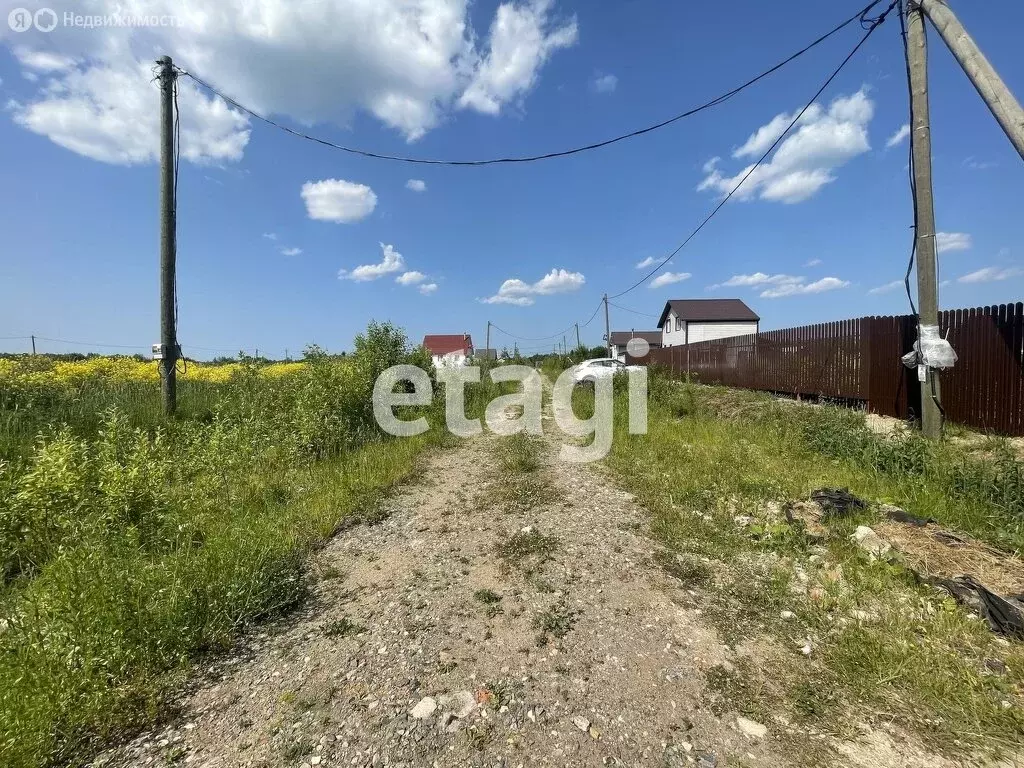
(443, 344)
(623, 337)
(709, 310)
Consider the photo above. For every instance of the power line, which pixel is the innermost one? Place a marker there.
(115, 346)
(584, 325)
(234, 350)
(635, 312)
(90, 344)
(874, 24)
(861, 15)
(533, 338)
(910, 166)
(553, 335)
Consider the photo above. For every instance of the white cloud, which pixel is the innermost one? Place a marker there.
(711, 164)
(668, 278)
(408, 63)
(270, 235)
(416, 185)
(110, 113)
(805, 161)
(515, 291)
(978, 165)
(991, 275)
(886, 288)
(521, 41)
(650, 261)
(779, 285)
(604, 83)
(338, 200)
(755, 279)
(899, 137)
(410, 278)
(798, 289)
(507, 298)
(43, 61)
(391, 262)
(952, 241)
(759, 141)
(291, 251)
(812, 263)
(427, 288)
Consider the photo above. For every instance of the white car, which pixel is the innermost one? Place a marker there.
(590, 371)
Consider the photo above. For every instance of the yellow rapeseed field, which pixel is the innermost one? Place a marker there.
(125, 369)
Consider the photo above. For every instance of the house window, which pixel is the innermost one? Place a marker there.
(679, 324)
(668, 327)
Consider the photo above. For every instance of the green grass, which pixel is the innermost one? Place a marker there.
(343, 627)
(555, 622)
(526, 551)
(27, 412)
(713, 454)
(102, 634)
(487, 596)
(491, 601)
(131, 546)
(519, 454)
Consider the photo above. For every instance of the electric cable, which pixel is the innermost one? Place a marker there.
(876, 23)
(910, 164)
(913, 203)
(91, 344)
(861, 15)
(554, 335)
(634, 311)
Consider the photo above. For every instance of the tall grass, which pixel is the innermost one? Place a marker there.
(129, 546)
(880, 641)
(28, 411)
(980, 494)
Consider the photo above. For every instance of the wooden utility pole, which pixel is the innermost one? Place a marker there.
(487, 344)
(921, 147)
(168, 238)
(993, 90)
(607, 327)
(578, 345)
(33, 345)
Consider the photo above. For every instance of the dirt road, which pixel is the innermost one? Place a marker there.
(491, 619)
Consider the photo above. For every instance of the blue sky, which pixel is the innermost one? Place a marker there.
(818, 238)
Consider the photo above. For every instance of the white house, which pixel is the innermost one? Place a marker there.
(451, 349)
(621, 338)
(687, 321)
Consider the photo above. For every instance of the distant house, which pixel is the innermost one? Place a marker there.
(620, 339)
(687, 321)
(485, 354)
(449, 349)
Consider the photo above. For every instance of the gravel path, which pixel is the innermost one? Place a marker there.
(423, 646)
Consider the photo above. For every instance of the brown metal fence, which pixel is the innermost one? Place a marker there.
(859, 360)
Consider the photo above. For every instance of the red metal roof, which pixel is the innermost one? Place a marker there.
(445, 343)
